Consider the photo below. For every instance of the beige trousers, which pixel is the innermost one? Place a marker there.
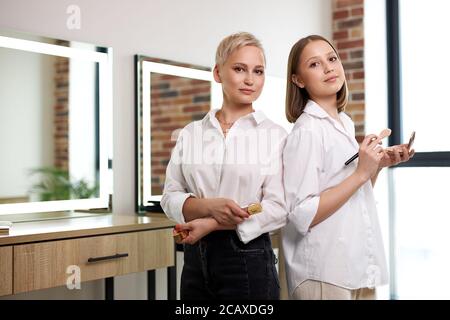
(317, 290)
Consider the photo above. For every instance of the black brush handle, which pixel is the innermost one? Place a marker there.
(351, 159)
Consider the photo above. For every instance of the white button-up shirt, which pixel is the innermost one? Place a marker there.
(245, 166)
(346, 249)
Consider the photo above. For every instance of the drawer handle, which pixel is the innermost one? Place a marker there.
(116, 256)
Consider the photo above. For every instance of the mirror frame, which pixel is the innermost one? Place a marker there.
(103, 56)
(144, 65)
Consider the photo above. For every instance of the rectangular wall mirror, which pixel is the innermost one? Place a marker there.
(55, 124)
(169, 95)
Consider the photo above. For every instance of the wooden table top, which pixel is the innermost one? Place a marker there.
(26, 232)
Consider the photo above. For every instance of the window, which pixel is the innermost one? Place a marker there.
(421, 229)
(423, 47)
(417, 100)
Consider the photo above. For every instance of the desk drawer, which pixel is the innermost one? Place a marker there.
(6, 270)
(50, 264)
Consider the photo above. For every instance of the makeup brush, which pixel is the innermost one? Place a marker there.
(383, 134)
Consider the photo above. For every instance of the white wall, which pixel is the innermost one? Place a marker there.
(375, 64)
(185, 31)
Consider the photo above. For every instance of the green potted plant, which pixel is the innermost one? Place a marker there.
(55, 184)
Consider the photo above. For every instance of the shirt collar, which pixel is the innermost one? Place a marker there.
(258, 116)
(315, 110)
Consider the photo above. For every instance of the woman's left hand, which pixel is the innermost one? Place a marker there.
(395, 155)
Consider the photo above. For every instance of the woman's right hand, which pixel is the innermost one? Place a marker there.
(196, 229)
(226, 211)
(370, 155)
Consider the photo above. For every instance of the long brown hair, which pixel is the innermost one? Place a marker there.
(296, 97)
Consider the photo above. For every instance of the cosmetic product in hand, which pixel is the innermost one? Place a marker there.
(254, 208)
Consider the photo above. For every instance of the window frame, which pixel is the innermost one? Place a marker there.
(394, 115)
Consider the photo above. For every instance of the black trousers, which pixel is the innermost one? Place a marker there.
(220, 266)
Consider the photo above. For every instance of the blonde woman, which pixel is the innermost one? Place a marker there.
(221, 164)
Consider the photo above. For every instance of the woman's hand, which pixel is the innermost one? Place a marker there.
(197, 229)
(395, 155)
(226, 211)
(370, 155)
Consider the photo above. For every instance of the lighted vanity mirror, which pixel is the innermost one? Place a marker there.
(55, 124)
(169, 95)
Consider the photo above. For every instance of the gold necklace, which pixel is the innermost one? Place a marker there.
(226, 123)
(223, 122)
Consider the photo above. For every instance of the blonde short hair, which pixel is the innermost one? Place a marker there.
(233, 42)
(296, 98)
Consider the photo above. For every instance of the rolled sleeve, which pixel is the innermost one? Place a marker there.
(175, 188)
(302, 160)
(172, 204)
(304, 214)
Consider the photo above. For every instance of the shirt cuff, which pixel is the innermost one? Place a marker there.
(174, 207)
(304, 214)
(248, 230)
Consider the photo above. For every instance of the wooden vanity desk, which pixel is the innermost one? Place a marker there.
(44, 254)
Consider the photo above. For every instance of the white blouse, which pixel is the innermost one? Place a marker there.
(346, 249)
(245, 166)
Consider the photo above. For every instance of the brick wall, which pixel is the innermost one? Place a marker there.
(348, 36)
(175, 102)
(61, 112)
